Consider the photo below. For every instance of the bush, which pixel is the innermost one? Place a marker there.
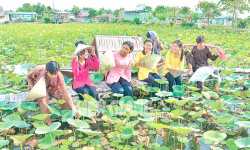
(33, 19)
(72, 20)
(47, 20)
(172, 23)
(39, 17)
(137, 20)
(126, 21)
(6, 22)
(187, 24)
(19, 20)
(242, 23)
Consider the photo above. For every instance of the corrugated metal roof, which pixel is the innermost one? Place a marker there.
(23, 13)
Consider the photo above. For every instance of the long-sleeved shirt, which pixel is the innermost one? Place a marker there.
(143, 72)
(81, 77)
(32, 79)
(201, 56)
(117, 72)
(171, 61)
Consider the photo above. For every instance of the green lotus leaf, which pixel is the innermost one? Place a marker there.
(214, 136)
(183, 130)
(78, 123)
(4, 142)
(245, 124)
(10, 106)
(127, 133)
(157, 125)
(231, 145)
(40, 116)
(46, 129)
(164, 93)
(161, 81)
(96, 77)
(178, 90)
(88, 131)
(234, 102)
(21, 138)
(243, 142)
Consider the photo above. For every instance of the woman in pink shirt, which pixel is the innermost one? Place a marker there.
(80, 67)
(119, 78)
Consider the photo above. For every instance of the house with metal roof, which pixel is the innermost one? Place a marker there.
(24, 15)
(2, 20)
(142, 14)
(82, 15)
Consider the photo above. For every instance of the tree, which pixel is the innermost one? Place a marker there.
(195, 16)
(160, 9)
(116, 13)
(174, 12)
(209, 9)
(75, 10)
(162, 16)
(39, 8)
(147, 8)
(186, 12)
(140, 6)
(234, 7)
(92, 12)
(27, 8)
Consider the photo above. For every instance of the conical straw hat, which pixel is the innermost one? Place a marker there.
(38, 91)
(81, 47)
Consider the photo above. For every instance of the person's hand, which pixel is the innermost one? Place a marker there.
(156, 38)
(172, 68)
(93, 52)
(31, 87)
(216, 52)
(76, 114)
(134, 83)
(136, 64)
(186, 48)
(183, 71)
(190, 73)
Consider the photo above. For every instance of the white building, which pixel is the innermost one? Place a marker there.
(2, 20)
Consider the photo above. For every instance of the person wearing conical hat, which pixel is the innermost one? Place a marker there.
(80, 66)
(55, 86)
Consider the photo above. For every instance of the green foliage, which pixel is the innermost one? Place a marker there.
(243, 23)
(47, 20)
(137, 20)
(187, 24)
(172, 23)
(39, 17)
(33, 19)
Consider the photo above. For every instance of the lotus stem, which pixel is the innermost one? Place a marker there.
(51, 139)
(58, 141)
(88, 141)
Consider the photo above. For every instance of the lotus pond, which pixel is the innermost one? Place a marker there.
(218, 118)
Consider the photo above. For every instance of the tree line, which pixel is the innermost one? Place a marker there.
(210, 10)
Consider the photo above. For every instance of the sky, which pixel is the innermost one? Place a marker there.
(97, 4)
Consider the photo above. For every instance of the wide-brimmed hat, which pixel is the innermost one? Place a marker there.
(38, 91)
(82, 47)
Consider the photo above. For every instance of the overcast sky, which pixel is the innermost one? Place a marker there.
(97, 4)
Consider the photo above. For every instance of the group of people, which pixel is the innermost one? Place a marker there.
(119, 77)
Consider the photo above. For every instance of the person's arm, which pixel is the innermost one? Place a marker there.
(167, 62)
(94, 64)
(211, 56)
(128, 70)
(75, 67)
(160, 45)
(137, 59)
(30, 78)
(75, 57)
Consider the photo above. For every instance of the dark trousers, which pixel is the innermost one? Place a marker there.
(172, 81)
(151, 81)
(122, 87)
(90, 90)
